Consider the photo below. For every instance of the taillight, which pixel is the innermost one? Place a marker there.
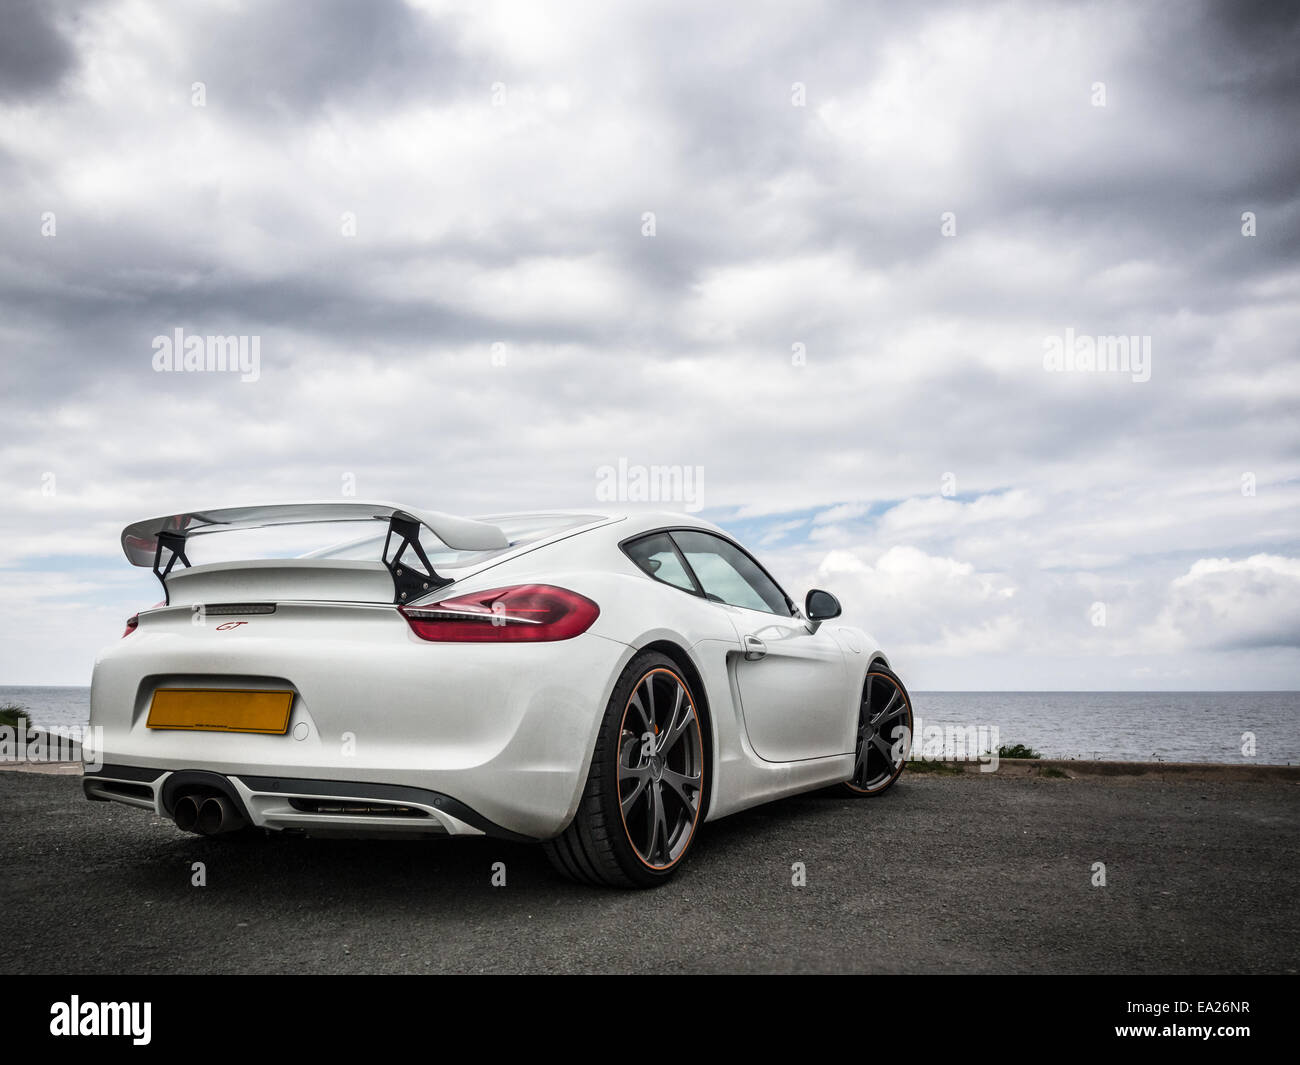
(134, 620)
(526, 613)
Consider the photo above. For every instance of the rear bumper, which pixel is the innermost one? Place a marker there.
(317, 807)
(506, 731)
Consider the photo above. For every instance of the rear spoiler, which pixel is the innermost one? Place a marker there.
(160, 542)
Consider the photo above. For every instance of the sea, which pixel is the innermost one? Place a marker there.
(1239, 727)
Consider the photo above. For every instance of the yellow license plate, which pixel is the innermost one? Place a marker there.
(208, 710)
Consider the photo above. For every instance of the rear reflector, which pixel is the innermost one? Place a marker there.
(526, 613)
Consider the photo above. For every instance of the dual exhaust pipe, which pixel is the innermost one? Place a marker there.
(209, 815)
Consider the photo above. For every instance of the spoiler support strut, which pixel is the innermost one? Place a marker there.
(409, 584)
(175, 543)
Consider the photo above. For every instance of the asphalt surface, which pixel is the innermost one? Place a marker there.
(972, 873)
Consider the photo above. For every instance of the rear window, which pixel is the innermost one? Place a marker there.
(520, 529)
(306, 540)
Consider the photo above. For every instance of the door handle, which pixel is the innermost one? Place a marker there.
(754, 648)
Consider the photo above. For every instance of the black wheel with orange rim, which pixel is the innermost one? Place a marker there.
(884, 734)
(647, 788)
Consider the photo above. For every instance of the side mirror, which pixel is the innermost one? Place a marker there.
(820, 606)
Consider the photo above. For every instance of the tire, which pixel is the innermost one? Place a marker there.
(644, 797)
(885, 706)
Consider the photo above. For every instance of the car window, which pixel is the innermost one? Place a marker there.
(656, 556)
(728, 574)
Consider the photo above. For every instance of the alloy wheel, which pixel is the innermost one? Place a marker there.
(660, 768)
(882, 747)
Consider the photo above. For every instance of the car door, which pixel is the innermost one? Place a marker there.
(791, 679)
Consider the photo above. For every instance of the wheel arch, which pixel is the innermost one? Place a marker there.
(875, 660)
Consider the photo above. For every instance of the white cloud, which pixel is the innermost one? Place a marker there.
(841, 512)
(914, 516)
(1220, 603)
(922, 603)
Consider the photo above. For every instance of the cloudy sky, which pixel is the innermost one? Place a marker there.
(822, 253)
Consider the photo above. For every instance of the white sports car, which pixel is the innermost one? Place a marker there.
(597, 683)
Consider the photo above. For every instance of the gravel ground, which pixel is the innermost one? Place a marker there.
(965, 873)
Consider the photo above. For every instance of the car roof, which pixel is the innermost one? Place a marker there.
(636, 520)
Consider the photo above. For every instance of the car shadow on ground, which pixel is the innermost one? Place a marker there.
(340, 871)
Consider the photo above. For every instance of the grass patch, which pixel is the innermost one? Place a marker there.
(1052, 773)
(15, 716)
(1018, 750)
